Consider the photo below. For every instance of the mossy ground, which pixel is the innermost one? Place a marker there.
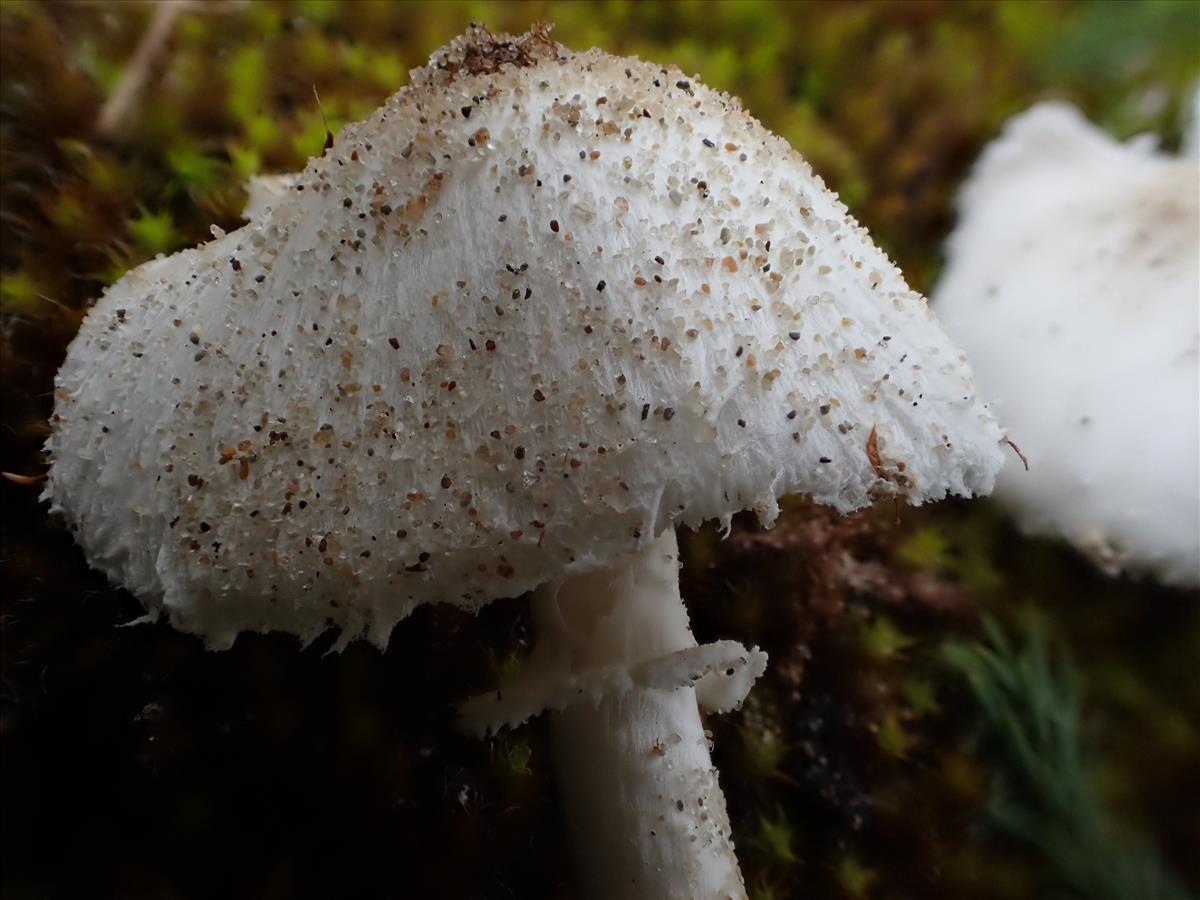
(135, 764)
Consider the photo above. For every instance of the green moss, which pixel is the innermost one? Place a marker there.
(881, 639)
(262, 131)
(774, 837)
(105, 73)
(20, 292)
(319, 12)
(194, 31)
(113, 270)
(309, 138)
(246, 161)
(387, 69)
(893, 740)
(854, 877)
(513, 756)
(925, 550)
(264, 20)
(506, 666)
(153, 233)
(764, 890)
(70, 216)
(920, 695)
(762, 742)
(20, 9)
(246, 72)
(193, 170)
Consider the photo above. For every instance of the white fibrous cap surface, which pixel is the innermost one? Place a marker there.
(1073, 281)
(535, 309)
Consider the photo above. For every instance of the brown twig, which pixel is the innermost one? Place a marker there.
(117, 107)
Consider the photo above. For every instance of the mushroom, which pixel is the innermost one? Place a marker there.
(517, 325)
(1072, 281)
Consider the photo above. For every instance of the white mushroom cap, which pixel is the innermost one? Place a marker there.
(534, 310)
(1073, 281)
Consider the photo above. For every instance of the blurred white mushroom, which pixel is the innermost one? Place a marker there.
(1073, 280)
(514, 327)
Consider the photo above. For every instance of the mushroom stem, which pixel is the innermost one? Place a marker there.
(646, 813)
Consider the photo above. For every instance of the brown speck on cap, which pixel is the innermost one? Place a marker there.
(479, 52)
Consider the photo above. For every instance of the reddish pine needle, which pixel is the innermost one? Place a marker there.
(328, 133)
(1017, 450)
